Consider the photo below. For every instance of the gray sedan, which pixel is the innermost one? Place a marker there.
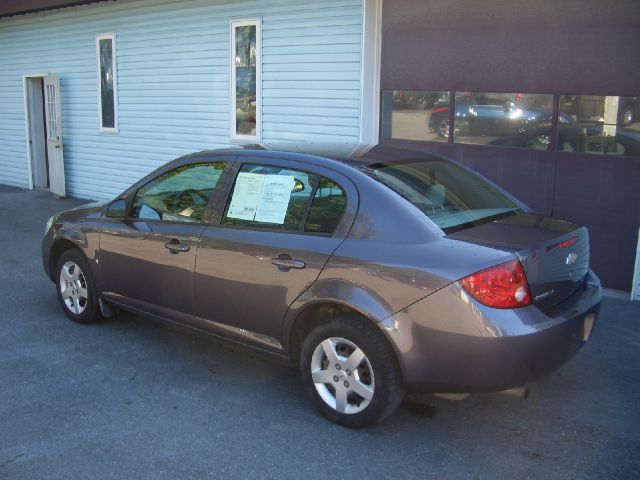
(398, 272)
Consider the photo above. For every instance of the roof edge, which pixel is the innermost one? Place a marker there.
(10, 8)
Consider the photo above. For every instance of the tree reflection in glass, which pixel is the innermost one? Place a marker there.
(107, 97)
(245, 65)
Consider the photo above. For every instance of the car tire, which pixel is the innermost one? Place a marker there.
(76, 290)
(459, 128)
(350, 372)
(443, 128)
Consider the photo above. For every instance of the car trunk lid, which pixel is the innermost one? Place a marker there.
(554, 253)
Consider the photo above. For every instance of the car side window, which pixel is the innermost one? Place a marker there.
(179, 195)
(326, 208)
(266, 196)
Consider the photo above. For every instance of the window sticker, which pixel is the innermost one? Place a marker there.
(246, 195)
(274, 199)
(261, 198)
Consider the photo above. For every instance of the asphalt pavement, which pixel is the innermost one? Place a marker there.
(132, 399)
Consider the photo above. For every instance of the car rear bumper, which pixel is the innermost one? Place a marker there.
(447, 342)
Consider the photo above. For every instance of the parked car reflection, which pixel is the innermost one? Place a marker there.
(498, 119)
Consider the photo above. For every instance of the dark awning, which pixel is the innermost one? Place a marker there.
(11, 7)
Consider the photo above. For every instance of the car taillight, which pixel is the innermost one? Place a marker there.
(439, 109)
(502, 286)
(568, 243)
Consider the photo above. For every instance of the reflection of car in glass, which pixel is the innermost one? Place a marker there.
(392, 273)
(590, 138)
(508, 119)
(628, 110)
(417, 100)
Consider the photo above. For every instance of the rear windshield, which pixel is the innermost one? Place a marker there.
(452, 197)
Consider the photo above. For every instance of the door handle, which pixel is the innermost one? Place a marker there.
(285, 262)
(174, 246)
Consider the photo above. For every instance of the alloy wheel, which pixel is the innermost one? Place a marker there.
(342, 375)
(73, 288)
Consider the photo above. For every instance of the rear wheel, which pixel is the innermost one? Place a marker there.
(76, 291)
(350, 372)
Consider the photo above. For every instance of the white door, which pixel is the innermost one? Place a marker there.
(55, 145)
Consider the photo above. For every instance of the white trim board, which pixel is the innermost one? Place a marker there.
(370, 76)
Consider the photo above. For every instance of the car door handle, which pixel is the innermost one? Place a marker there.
(174, 246)
(287, 263)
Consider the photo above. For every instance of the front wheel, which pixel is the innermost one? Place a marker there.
(76, 291)
(350, 372)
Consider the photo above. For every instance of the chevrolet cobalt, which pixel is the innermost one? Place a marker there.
(397, 272)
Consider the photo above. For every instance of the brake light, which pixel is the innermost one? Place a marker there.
(568, 243)
(439, 109)
(502, 286)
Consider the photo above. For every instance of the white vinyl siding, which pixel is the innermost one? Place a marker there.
(174, 82)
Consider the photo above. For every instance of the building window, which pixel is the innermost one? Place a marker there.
(107, 83)
(503, 119)
(245, 79)
(606, 125)
(406, 115)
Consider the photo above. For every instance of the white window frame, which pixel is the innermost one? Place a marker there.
(112, 37)
(233, 24)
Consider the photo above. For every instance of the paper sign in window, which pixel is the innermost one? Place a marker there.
(274, 199)
(261, 198)
(246, 196)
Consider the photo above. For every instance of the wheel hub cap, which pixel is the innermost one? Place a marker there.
(342, 375)
(73, 288)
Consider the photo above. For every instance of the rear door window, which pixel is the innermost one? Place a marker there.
(273, 197)
(326, 208)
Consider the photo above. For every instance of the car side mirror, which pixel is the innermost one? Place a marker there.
(117, 209)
